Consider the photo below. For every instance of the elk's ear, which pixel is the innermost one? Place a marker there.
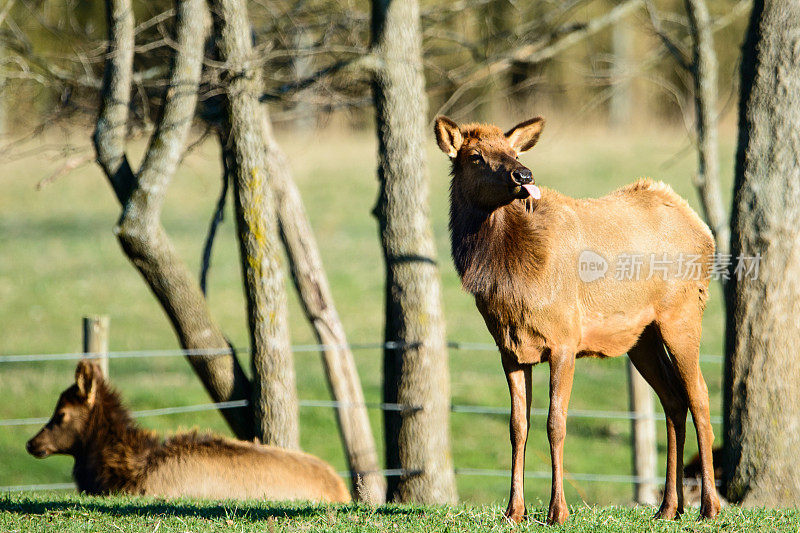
(524, 135)
(86, 376)
(448, 136)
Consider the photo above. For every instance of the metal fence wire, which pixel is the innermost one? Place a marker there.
(455, 408)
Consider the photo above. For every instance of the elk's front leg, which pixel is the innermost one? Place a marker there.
(562, 367)
(520, 388)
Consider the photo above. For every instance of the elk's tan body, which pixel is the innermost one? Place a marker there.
(218, 468)
(530, 315)
(518, 250)
(113, 455)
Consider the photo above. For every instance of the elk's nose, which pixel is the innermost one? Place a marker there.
(29, 446)
(522, 176)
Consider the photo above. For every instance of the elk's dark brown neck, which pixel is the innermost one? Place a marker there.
(495, 250)
(115, 451)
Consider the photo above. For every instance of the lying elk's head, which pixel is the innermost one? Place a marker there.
(486, 167)
(64, 431)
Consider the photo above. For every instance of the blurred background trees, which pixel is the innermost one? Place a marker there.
(594, 58)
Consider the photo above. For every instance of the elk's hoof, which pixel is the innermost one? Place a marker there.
(668, 512)
(515, 514)
(710, 509)
(557, 515)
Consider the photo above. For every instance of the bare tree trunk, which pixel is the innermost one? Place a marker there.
(244, 139)
(619, 103)
(3, 94)
(416, 372)
(762, 369)
(315, 296)
(302, 68)
(4, 88)
(139, 229)
(704, 67)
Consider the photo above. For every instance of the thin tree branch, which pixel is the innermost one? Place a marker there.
(359, 66)
(704, 71)
(68, 166)
(109, 136)
(674, 48)
(538, 52)
(717, 25)
(216, 220)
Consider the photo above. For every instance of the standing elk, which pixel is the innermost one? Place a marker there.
(520, 249)
(114, 456)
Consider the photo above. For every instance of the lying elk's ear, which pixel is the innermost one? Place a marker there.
(86, 376)
(448, 136)
(524, 135)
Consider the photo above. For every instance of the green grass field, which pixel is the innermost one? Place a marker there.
(59, 260)
(46, 513)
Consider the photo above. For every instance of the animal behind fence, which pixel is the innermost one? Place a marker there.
(113, 455)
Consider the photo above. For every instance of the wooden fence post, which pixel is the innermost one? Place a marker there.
(643, 438)
(95, 339)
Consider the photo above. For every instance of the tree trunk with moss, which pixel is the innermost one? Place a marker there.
(274, 391)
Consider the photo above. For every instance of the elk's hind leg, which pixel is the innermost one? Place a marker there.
(650, 359)
(682, 338)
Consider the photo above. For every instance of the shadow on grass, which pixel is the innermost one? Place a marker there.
(252, 511)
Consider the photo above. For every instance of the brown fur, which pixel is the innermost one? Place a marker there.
(519, 257)
(113, 455)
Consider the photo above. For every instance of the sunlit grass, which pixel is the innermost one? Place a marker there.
(48, 512)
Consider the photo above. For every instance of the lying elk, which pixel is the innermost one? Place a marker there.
(537, 263)
(113, 455)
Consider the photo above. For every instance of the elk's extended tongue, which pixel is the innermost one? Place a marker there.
(533, 191)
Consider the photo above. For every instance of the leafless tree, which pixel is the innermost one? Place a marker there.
(146, 243)
(761, 389)
(268, 172)
(415, 371)
(141, 196)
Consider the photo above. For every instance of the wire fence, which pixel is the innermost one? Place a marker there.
(455, 408)
(298, 348)
(481, 472)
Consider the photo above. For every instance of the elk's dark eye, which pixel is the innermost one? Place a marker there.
(476, 158)
(58, 418)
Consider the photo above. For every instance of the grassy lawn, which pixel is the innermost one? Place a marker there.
(121, 514)
(59, 260)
